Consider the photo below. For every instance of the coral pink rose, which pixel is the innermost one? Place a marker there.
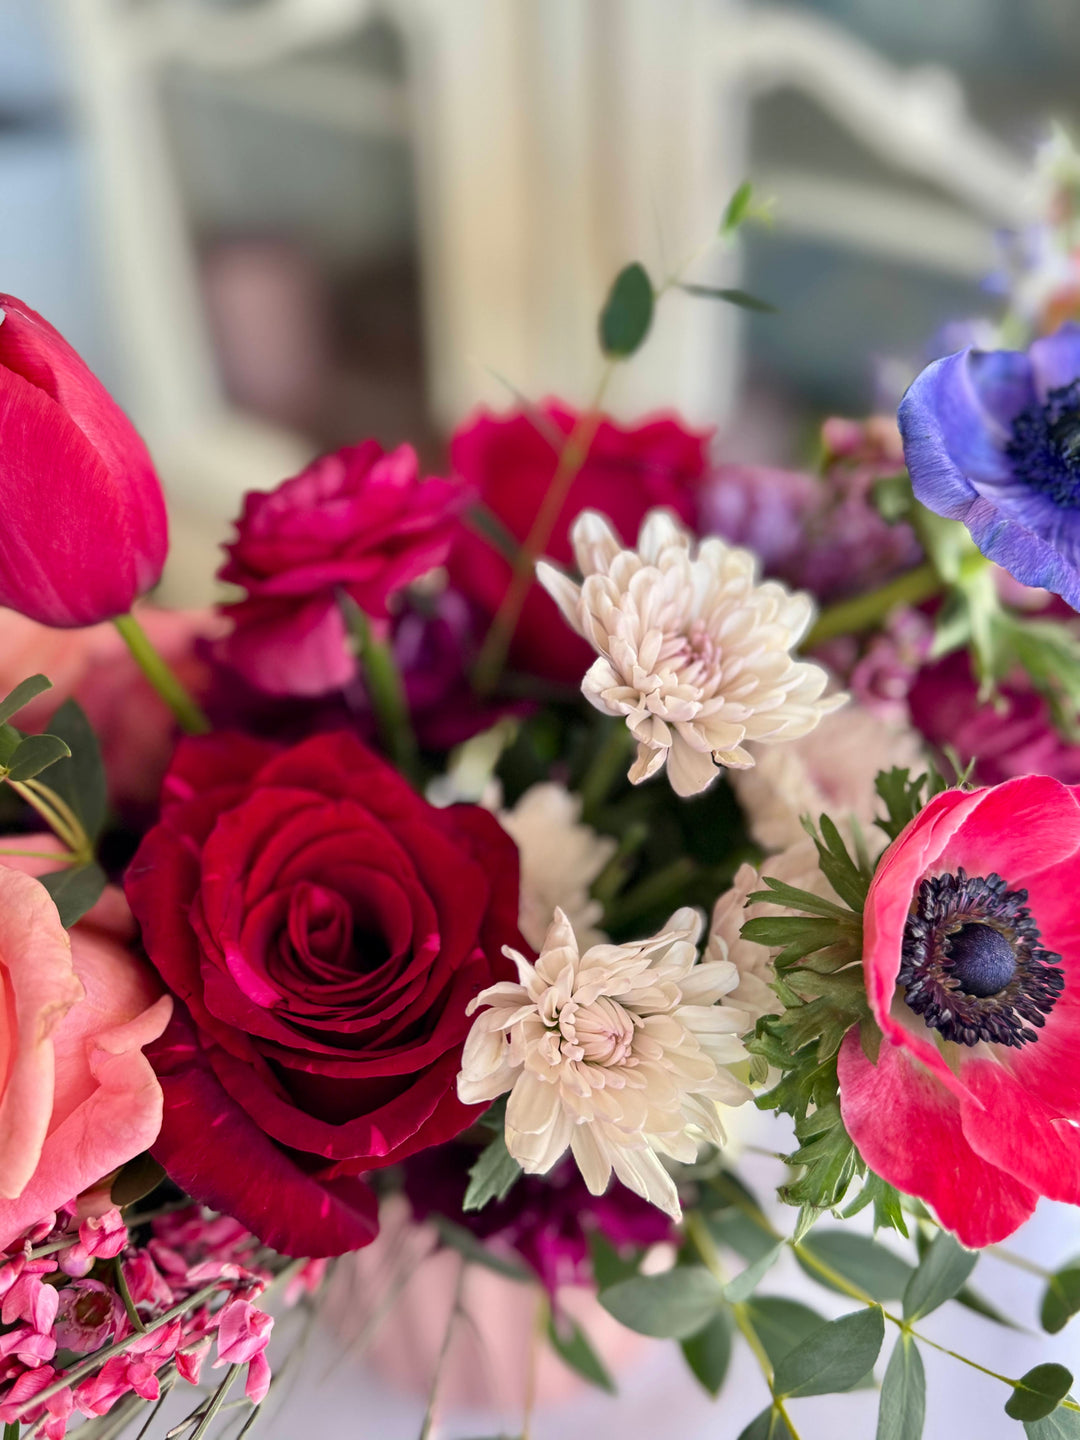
(511, 460)
(84, 531)
(79, 1098)
(358, 522)
(133, 724)
(972, 962)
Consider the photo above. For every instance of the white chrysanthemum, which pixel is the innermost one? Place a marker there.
(753, 996)
(692, 650)
(560, 858)
(618, 1052)
(829, 771)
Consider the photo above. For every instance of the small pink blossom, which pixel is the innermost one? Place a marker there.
(90, 1313)
(120, 1374)
(28, 1344)
(258, 1379)
(146, 1285)
(243, 1331)
(189, 1361)
(26, 1386)
(101, 1237)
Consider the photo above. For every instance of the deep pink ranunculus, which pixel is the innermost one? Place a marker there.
(358, 522)
(325, 928)
(84, 532)
(972, 963)
(511, 459)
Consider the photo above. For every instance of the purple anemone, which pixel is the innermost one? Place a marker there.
(992, 438)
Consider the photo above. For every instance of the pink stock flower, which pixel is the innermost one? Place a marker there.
(358, 522)
(972, 964)
(84, 531)
(78, 1097)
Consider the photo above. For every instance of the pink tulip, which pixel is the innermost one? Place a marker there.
(84, 532)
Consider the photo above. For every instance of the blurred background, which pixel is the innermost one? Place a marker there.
(274, 225)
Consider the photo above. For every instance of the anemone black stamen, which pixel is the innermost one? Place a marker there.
(973, 964)
(1044, 446)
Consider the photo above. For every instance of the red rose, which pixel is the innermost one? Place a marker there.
(510, 459)
(972, 963)
(325, 928)
(84, 532)
(357, 521)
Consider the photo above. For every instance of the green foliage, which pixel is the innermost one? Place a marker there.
(904, 797)
(863, 1262)
(781, 1324)
(747, 1281)
(708, 1353)
(79, 779)
(574, 1349)
(742, 298)
(1039, 1392)
(608, 1265)
(738, 209)
(902, 1410)
(832, 1358)
(456, 1237)
(493, 1175)
(628, 311)
(1062, 1298)
(888, 1211)
(941, 1275)
(34, 754)
(673, 1306)
(23, 693)
(75, 890)
(1060, 1424)
(769, 1425)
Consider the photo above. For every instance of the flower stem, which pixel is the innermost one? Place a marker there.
(162, 677)
(52, 810)
(11, 1430)
(385, 689)
(428, 1425)
(608, 763)
(863, 612)
(572, 457)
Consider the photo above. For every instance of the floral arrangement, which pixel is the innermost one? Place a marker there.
(338, 898)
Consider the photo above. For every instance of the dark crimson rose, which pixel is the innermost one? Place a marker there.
(325, 928)
(510, 460)
(358, 522)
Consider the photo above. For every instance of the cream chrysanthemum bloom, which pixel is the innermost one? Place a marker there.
(692, 650)
(618, 1052)
(560, 858)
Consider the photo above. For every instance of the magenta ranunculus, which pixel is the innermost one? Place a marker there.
(84, 532)
(358, 522)
(325, 929)
(511, 459)
(972, 962)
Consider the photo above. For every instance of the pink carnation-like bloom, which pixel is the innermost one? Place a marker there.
(78, 1098)
(972, 963)
(358, 522)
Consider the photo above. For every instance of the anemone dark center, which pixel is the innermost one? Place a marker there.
(973, 964)
(1044, 446)
(981, 959)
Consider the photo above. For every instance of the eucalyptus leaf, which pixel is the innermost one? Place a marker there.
(708, 1353)
(1060, 1424)
(36, 753)
(742, 1234)
(466, 1244)
(608, 1265)
(875, 1269)
(671, 1306)
(1039, 1392)
(769, 1425)
(574, 1349)
(902, 1410)
(23, 693)
(747, 1281)
(942, 1273)
(75, 890)
(492, 1176)
(781, 1324)
(742, 298)
(1062, 1298)
(834, 1357)
(627, 313)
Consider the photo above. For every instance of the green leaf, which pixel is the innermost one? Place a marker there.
(34, 754)
(1062, 1298)
(769, 1425)
(835, 1357)
(737, 209)
(75, 890)
(742, 298)
(942, 1273)
(742, 1234)
(857, 1258)
(888, 1212)
(1060, 1424)
(465, 1243)
(1039, 1392)
(136, 1179)
(781, 1324)
(23, 693)
(904, 797)
(609, 1267)
(747, 1281)
(708, 1353)
(627, 313)
(80, 779)
(574, 1349)
(670, 1306)
(492, 1176)
(902, 1411)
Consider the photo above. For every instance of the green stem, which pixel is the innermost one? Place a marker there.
(386, 691)
(427, 1428)
(11, 1430)
(1020, 1262)
(64, 857)
(571, 459)
(162, 677)
(608, 763)
(661, 888)
(125, 1295)
(74, 837)
(863, 612)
